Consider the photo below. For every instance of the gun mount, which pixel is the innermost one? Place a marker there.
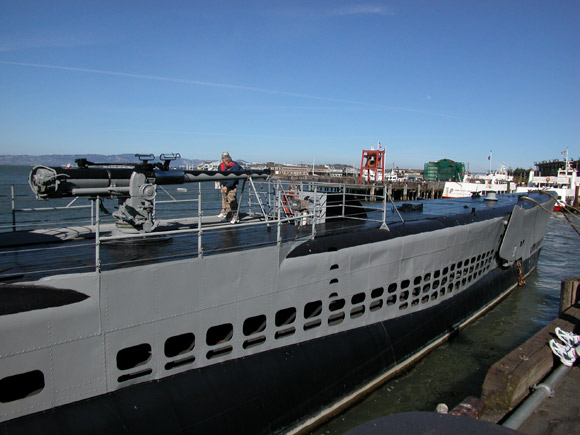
(133, 185)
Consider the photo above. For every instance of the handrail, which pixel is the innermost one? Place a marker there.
(269, 213)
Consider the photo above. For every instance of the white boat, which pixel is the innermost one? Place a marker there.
(477, 185)
(564, 186)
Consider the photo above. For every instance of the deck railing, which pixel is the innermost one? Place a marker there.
(268, 196)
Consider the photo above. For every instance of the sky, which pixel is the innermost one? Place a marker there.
(293, 81)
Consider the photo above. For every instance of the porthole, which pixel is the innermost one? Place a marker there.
(219, 334)
(336, 305)
(336, 319)
(254, 325)
(392, 287)
(359, 298)
(284, 333)
(377, 293)
(254, 341)
(312, 324)
(357, 312)
(286, 316)
(312, 309)
(217, 353)
(179, 363)
(135, 375)
(179, 344)
(20, 386)
(133, 356)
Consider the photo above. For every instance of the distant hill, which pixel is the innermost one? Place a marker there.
(64, 159)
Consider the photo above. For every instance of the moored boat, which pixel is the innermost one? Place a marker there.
(564, 186)
(477, 185)
(193, 325)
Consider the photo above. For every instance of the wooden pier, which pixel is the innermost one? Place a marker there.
(399, 191)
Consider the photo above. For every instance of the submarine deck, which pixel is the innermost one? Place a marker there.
(30, 255)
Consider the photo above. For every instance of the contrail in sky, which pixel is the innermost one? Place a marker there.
(210, 84)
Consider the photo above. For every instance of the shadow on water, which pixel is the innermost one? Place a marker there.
(457, 368)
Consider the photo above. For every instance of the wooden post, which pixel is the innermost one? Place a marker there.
(569, 293)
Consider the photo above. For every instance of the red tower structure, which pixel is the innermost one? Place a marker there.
(373, 164)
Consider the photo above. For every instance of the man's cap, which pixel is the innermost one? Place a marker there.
(225, 155)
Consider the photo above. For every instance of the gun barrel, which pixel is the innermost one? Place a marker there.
(56, 182)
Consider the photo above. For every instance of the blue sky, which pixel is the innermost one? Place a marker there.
(293, 81)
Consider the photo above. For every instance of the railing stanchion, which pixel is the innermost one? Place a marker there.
(384, 225)
(199, 222)
(279, 224)
(343, 200)
(98, 235)
(13, 202)
(316, 212)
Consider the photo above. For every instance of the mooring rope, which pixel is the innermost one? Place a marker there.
(521, 279)
(565, 214)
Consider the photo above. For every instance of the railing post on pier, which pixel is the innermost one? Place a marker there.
(199, 222)
(98, 235)
(13, 202)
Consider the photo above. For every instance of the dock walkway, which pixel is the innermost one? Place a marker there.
(511, 381)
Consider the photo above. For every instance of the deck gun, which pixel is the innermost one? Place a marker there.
(134, 185)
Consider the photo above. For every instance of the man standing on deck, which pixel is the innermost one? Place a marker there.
(229, 188)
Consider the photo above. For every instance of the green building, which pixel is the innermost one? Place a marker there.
(444, 170)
